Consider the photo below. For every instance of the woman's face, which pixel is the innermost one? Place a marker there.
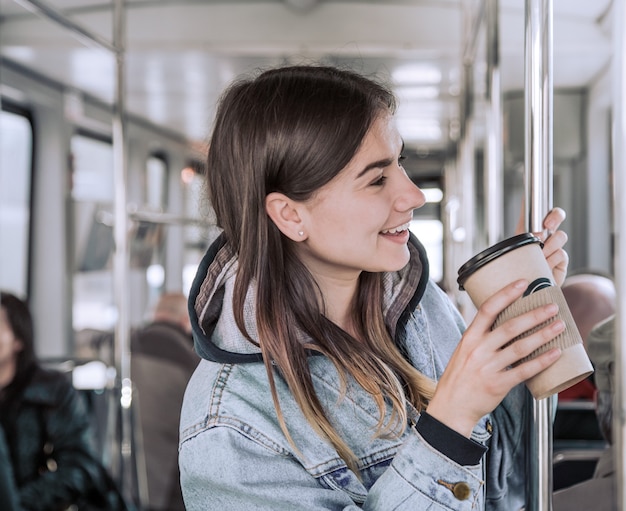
(9, 344)
(359, 221)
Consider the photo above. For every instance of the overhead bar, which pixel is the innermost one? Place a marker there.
(538, 180)
(84, 35)
(472, 29)
(165, 218)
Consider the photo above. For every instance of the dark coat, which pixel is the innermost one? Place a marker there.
(45, 434)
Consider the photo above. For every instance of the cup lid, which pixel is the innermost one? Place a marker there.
(491, 253)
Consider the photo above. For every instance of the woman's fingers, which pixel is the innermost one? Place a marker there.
(556, 256)
(553, 239)
(484, 367)
(513, 352)
(554, 219)
(551, 222)
(494, 305)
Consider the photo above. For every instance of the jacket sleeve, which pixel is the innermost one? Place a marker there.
(70, 465)
(222, 469)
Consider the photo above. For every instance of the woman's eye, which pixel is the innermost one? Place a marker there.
(380, 181)
(401, 159)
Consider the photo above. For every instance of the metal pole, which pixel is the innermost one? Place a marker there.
(494, 172)
(461, 206)
(619, 212)
(121, 256)
(538, 173)
(120, 230)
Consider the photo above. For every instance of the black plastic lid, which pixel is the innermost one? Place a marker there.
(493, 252)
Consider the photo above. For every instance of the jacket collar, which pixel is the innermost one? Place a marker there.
(216, 336)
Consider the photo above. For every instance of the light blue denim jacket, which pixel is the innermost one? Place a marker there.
(233, 454)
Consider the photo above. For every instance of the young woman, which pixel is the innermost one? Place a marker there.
(46, 459)
(335, 374)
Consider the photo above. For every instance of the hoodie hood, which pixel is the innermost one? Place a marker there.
(216, 335)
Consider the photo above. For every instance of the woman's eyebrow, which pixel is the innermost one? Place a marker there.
(375, 165)
(379, 164)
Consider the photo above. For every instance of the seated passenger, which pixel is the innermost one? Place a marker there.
(598, 493)
(163, 360)
(591, 299)
(46, 457)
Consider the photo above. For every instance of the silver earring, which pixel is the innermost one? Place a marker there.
(301, 233)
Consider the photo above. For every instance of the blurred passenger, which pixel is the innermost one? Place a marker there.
(598, 493)
(591, 299)
(46, 457)
(162, 362)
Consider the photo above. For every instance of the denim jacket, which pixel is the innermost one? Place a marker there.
(233, 454)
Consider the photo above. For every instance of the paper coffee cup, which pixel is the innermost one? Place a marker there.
(521, 257)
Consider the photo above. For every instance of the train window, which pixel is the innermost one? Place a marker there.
(156, 199)
(93, 169)
(196, 236)
(156, 183)
(428, 228)
(16, 149)
(93, 195)
(430, 234)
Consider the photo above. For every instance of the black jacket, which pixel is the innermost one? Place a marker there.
(46, 457)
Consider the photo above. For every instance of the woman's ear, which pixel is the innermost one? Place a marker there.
(284, 212)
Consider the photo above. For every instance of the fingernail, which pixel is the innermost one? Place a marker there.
(551, 308)
(521, 284)
(555, 353)
(558, 326)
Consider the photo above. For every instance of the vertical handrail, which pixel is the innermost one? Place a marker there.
(494, 172)
(619, 212)
(460, 205)
(121, 256)
(538, 179)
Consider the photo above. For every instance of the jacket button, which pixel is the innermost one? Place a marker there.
(51, 465)
(461, 491)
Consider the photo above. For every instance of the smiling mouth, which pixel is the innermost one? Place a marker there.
(401, 229)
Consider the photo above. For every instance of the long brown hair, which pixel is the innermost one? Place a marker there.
(291, 130)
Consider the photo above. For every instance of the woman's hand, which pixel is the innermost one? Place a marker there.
(480, 373)
(553, 242)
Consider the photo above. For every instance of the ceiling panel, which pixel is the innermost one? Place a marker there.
(180, 54)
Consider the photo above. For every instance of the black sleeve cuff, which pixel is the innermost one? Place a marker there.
(448, 442)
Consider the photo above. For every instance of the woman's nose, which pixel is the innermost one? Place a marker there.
(411, 196)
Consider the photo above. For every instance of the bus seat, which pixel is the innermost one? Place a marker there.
(572, 466)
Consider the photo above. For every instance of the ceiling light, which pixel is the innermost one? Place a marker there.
(416, 92)
(416, 74)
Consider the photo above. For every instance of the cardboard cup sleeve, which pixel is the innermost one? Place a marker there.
(573, 365)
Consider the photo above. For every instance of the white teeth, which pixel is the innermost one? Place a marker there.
(396, 230)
